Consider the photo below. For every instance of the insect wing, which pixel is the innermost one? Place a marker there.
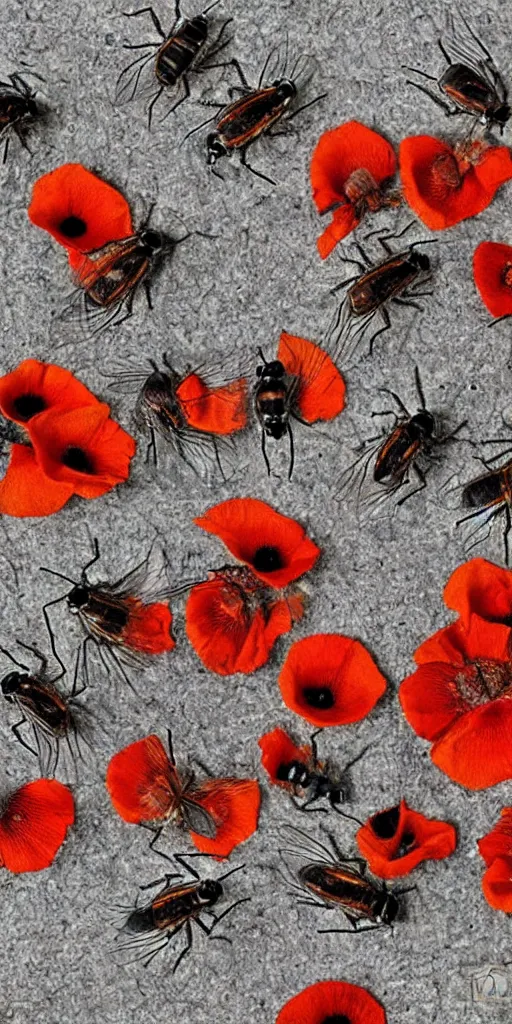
(197, 819)
(148, 581)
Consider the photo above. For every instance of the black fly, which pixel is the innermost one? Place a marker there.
(18, 108)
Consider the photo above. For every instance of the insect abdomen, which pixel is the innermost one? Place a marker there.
(177, 54)
(249, 117)
(398, 452)
(377, 286)
(467, 90)
(485, 490)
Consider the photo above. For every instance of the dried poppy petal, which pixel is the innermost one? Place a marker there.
(79, 209)
(332, 1002)
(26, 490)
(139, 781)
(321, 390)
(34, 387)
(444, 185)
(278, 751)
(459, 697)
(220, 410)
(498, 842)
(348, 167)
(232, 627)
(34, 824)
(148, 628)
(497, 884)
(275, 547)
(492, 270)
(396, 840)
(479, 587)
(234, 805)
(84, 448)
(330, 679)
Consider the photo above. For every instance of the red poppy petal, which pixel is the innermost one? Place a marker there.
(327, 1000)
(342, 151)
(106, 448)
(479, 587)
(254, 533)
(71, 197)
(476, 751)
(344, 220)
(498, 842)
(149, 627)
(321, 391)
(26, 491)
(430, 700)
(420, 838)
(440, 189)
(457, 645)
(234, 805)
(330, 679)
(277, 749)
(34, 386)
(138, 780)
(492, 270)
(214, 410)
(497, 884)
(34, 824)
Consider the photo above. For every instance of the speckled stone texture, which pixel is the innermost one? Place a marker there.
(380, 581)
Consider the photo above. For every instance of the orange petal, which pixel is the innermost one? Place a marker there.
(277, 752)
(321, 391)
(149, 627)
(26, 491)
(139, 781)
(492, 270)
(476, 751)
(274, 546)
(497, 884)
(330, 679)
(430, 700)
(457, 644)
(220, 410)
(498, 842)
(479, 587)
(332, 1002)
(344, 220)
(34, 387)
(441, 188)
(85, 438)
(34, 824)
(396, 840)
(79, 209)
(234, 805)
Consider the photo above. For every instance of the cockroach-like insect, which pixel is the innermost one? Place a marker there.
(196, 413)
(255, 111)
(18, 109)
(313, 780)
(471, 84)
(334, 881)
(387, 461)
(128, 621)
(174, 909)
(108, 278)
(183, 50)
(397, 279)
(487, 497)
(41, 704)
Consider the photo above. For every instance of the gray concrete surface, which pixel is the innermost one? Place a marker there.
(382, 582)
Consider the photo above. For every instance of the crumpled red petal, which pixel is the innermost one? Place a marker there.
(234, 805)
(71, 197)
(34, 387)
(397, 840)
(321, 391)
(221, 410)
(492, 270)
(138, 781)
(479, 587)
(34, 825)
(26, 491)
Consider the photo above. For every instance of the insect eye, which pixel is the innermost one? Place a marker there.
(10, 682)
(78, 597)
(152, 239)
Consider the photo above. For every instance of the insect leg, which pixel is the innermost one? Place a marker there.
(306, 806)
(314, 747)
(506, 531)
(292, 451)
(305, 106)
(14, 660)
(217, 920)
(153, 16)
(95, 557)
(437, 100)
(179, 857)
(203, 768)
(259, 174)
(348, 280)
(151, 454)
(6, 150)
(188, 947)
(40, 657)
(400, 301)
(165, 880)
(147, 289)
(422, 484)
(416, 71)
(217, 46)
(19, 737)
(264, 451)
(49, 628)
(387, 325)
(397, 399)
(444, 52)
(155, 99)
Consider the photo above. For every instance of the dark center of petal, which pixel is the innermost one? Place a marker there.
(445, 175)
(407, 843)
(77, 459)
(283, 771)
(28, 405)
(267, 559)
(72, 227)
(320, 697)
(385, 824)
(483, 681)
(336, 1018)
(507, 275)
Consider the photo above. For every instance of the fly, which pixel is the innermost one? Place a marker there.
(387, 462)
(332, 881)
(487, 497)
(312, 781)
(471, 84)
(18, 109)
(257, 110)
(181, 51)
(399, 279)
(174, 909)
